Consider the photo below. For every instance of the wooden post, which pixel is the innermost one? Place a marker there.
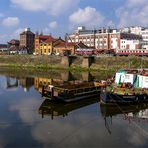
(43, 90)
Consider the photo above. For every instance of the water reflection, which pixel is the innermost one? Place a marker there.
(137, 110)
(65, 78)
(132, 113)
(14, 82)
(22, 125)
(54, 78)
(49, 108)
(11, 82)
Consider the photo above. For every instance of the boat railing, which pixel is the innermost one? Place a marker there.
(77, 90)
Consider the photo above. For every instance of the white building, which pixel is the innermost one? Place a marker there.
(139, 31)
(136, 29)
(144, 42)
(129, 44)
(144, 34)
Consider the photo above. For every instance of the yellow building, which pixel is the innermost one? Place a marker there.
(43, 44)
(46, 48)
(39, 82)
(47, 45)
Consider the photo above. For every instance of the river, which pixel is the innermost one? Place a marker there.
(28, 120)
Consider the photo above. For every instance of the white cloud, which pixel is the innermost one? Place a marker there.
(53, 25)
(11, 21)
(88, 16)
(133, 3)
(50, 6)
(134, 12)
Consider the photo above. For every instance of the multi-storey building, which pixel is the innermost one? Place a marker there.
(43, 44)
(98, 39)
(27, 40)
(129, 41)
(140, 31)
(105, 39)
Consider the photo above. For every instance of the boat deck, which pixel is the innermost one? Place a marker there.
(73, 92)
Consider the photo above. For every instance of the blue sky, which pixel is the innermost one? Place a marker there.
(58, 17)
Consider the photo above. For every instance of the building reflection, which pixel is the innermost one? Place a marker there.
(50, 108)
(26, 83)
(13, 82)
(38, 82)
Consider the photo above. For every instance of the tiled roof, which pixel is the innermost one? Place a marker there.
(13, 41)
(70, 44)
(46, 38)
(64, 44)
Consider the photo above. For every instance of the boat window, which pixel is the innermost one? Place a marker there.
(86, 89)
(72, 91)
(93, 88)
(79, 90)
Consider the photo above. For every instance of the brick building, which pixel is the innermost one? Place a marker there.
(27, 40)
(43, 44)
(105, 39)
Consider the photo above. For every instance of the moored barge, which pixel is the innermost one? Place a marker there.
(72, 92)
(129, 87)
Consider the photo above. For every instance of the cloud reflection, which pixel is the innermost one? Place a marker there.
(27, 109)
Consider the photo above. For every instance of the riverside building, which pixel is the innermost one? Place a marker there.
(27, 40)
(105, 39)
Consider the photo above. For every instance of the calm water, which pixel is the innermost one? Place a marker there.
(27, 120)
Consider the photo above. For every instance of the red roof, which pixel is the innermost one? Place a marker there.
(46, 38)
(64, 44)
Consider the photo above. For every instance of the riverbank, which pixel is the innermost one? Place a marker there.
(54, 62)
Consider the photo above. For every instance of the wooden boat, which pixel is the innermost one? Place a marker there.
(72, 92)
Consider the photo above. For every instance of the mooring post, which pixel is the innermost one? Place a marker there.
(43, 90)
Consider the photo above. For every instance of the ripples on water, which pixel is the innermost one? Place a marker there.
(28, 120)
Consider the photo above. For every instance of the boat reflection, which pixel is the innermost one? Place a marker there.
(50, 108)
(138, 110)
(131, 113)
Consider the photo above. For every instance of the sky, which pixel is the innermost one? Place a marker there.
(58, 17)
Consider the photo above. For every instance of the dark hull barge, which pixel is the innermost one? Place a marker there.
(110, 98)
(72, 92)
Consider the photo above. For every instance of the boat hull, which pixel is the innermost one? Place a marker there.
(110, 98)
(94, 94)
